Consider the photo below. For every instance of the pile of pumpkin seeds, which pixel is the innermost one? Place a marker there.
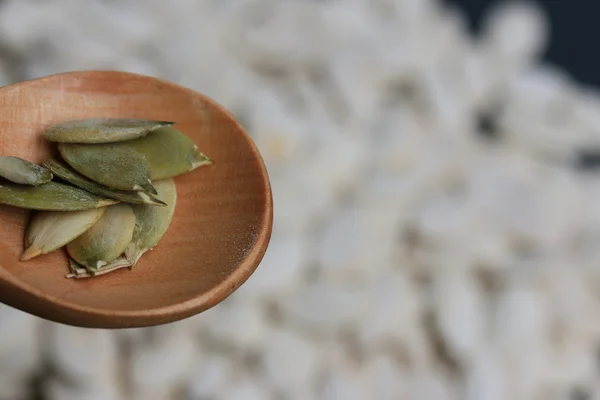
(108, 199)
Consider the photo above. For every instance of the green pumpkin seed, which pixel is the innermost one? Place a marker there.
(66, 173)
(110, 165)
(169, 153)
(78, 271)
(52, 196)
(51, 230)
(101, 130)
(106, 240)
(151, 223)
(23, 172)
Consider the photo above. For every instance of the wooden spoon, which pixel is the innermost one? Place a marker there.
(220, 230)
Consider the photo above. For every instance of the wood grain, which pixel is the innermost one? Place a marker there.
(220, 230)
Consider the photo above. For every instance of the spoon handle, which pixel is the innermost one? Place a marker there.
(9, 291)
(15, 295)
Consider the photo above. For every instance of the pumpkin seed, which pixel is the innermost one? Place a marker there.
(78, 271)
(151, 223)
(21, 171)
(111, 165)
(106, 240)
(169, 153)
(51, 230)
(66, 173)
(101, 130)
(52, 196)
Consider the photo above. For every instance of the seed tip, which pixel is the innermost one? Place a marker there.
(200, 163)
(149, 188)
(30, 253)
(151, 200)
(107, 202)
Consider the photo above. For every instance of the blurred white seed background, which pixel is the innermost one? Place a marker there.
(433, 237)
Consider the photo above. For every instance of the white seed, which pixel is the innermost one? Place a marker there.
(51, 230)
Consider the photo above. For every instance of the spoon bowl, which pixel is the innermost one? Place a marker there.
(220, 229)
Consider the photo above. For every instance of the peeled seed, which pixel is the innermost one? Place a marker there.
(152, 222)
(168, 152)
(66, 173)
(106, 240)
(101, 130)
(51, 230)
(78, 271)
(23, 172)
(111, 165)
(52, 196)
